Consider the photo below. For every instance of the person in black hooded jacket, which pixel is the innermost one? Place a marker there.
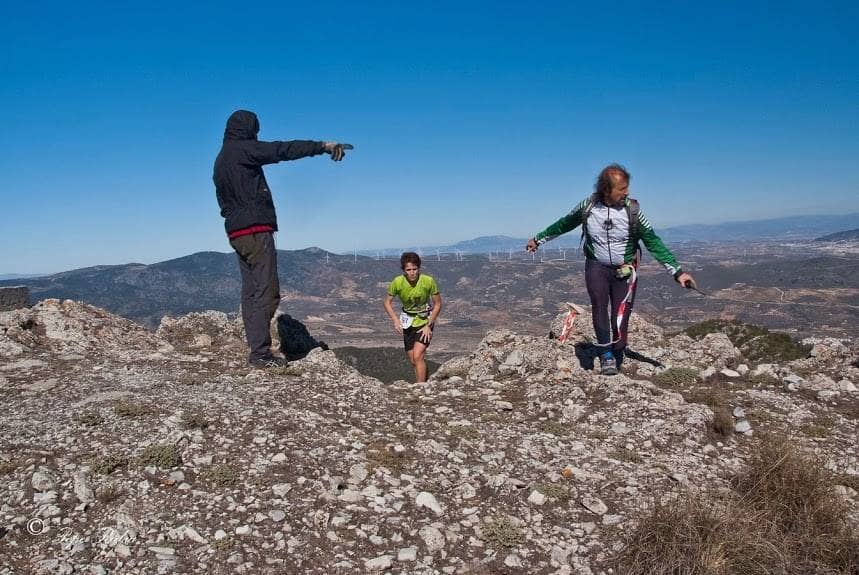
(250, 220)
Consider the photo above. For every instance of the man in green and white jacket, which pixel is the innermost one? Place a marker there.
(613, 226)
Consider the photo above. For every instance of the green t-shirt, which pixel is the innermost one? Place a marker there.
(417, 299)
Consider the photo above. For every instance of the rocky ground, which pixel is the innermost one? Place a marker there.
(127, 451)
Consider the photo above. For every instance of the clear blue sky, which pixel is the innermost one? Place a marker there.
(468, 118)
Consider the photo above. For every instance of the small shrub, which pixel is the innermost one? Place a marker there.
(131, 409)
(222, 546)
(775, 347)
(194, 420)
(754, 342)
(701, 329)
(596, 433)
(165, 456)
(502, 532)
(554, 490)
(110, 493)
(380, 455)
(556, 428)
(90, 418)
(221, 475)
(628, 455)
(463, 431)
(820, 427)
(107, 464)
(676, 377)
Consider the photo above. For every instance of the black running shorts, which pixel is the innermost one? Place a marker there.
(411, 335)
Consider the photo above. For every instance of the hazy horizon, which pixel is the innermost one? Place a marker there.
(387, 250)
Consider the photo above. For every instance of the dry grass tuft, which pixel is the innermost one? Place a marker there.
(557, 491)
(110, 493)
(627, 455)
(107, 464)
(221, 475)
(90, 418)
(131, 409)
(381, 455)
(194, 420)
(821, 426)
(717, 399)
(676, 377)
(164, 456)
(556, 428)
(502, 532)
(784, 516)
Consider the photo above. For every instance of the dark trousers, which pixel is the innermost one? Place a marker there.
(260, 289)
(603, 288)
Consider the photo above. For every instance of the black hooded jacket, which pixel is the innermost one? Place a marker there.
(243, 193)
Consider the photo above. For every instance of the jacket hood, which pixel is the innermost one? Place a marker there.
(242, 125)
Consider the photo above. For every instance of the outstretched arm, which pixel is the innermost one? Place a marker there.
(262, 153)
(567, 223)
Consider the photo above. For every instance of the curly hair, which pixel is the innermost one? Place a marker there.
(409, 258)
(604, 180)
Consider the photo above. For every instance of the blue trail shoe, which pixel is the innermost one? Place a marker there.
(608, 364)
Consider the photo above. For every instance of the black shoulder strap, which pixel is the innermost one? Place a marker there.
(586, 214)
(632, 212)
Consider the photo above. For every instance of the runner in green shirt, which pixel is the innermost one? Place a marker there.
(421, 307)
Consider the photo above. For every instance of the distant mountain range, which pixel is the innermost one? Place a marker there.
(479, 290)
(793, 228)
(4, 277)
(846, 236)
(205, 280)
(788, 229)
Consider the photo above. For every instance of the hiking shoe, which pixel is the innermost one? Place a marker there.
(608, 365)
(268, 362)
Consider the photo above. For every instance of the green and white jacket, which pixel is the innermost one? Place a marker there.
(609, 237)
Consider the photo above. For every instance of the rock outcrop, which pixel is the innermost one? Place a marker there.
(127, 451)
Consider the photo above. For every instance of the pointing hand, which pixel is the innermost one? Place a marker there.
(337, 150)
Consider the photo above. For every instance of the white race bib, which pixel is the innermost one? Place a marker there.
(406, 320)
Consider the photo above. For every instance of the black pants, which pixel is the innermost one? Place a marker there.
(603, 288)
(260, 289)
